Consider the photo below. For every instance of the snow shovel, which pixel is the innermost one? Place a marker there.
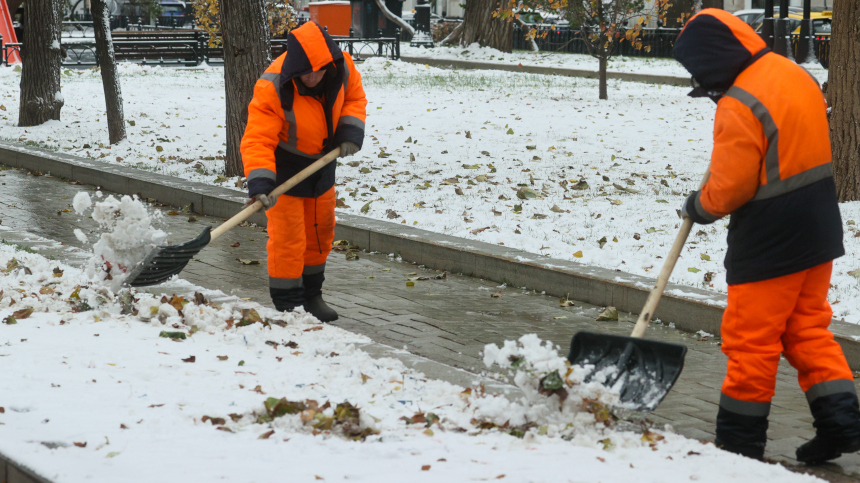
(166, 261)
(643, 370)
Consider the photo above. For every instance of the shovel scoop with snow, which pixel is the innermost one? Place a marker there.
(163, 262)
(643, 370)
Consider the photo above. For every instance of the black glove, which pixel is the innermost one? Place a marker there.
(684, 211)
(348, 149)
(267, 202)
(259, 189)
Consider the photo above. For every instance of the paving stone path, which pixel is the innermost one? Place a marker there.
(448, 319)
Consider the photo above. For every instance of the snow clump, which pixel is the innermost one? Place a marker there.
(128, 235)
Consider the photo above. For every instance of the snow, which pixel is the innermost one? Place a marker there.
(96, 394)
(129, 235)
(635, 65)
(635, 156)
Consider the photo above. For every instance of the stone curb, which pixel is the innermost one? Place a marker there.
(12, 472)
(535, 69)
(688, 308)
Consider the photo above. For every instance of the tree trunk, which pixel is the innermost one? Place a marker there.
(480, 26)
(246, 55)
(844, 98)
(110, 78)
(41, 99)
(601, 72)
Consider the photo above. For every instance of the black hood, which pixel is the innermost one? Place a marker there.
(715, 46)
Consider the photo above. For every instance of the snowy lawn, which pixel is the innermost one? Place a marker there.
(529, 161)
(636, 65)
(130, 386)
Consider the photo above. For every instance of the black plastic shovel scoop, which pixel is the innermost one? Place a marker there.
(166, 261)
(643, 370)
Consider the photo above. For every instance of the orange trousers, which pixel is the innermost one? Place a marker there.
(301, 231)
(786, 315)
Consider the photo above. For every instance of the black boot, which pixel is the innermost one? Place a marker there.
(741, 434)
(314, 303)
(837, 425)
(287, 299)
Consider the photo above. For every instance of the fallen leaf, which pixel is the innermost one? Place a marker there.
(23, 313)
(235, 245)
(565, 301)
(190, 359)
(497, 295)
(245, 261)
(267, 434)
(81, 445)
(425, 468)
(318, 327)
(578, 254)
(172, 335)
(214, 421)
(610, 313)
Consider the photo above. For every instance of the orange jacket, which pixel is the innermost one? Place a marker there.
(770, 166)
(290, 126)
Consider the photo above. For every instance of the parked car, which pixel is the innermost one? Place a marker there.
(172, 13)
(541, 20)
(821, 19)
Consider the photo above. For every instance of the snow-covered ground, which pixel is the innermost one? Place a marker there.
(636, 65)
(132, 386)
(529, 161)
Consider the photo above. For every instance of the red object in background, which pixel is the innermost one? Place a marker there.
(334, 15)
(8, 32)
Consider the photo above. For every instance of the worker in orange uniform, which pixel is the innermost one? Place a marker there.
(770, 170)
(308, 102)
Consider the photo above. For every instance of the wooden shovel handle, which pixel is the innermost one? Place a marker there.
(666, 272)
(288, 185)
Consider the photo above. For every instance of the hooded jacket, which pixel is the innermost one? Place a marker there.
(770, 166)
(290, 126)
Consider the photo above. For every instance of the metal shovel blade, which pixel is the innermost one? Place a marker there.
(644, 369)
(166, 261)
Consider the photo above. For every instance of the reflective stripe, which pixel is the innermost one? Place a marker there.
(313, 269)
(744, 408)
(271, 77)
(797, 181)
(345, 77)
(775, 185)
(703, 212)
(261, 173)
(285, 283)
(827, 388)
(770, 130)
(290, 119)
(352, 121)
(290, 148)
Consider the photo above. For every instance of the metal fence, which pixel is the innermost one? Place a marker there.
(187, 48)
(659, 43)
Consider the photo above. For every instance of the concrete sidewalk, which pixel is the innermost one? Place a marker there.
(688, 308)
(448, 320)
